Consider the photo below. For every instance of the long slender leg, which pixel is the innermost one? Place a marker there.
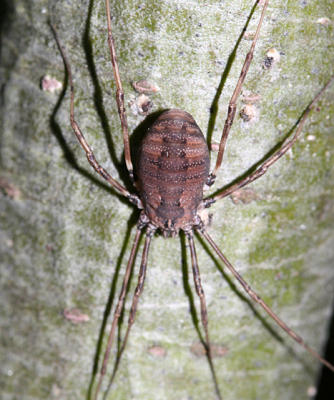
(232, 104)
(201, 295)
(258, 300)
(140, 285)
(119, 95)
(118, 309)
(138, 291)
(198, 287)
(262, 169)
(76, 129)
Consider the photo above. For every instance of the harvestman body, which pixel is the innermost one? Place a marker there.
(172, 170)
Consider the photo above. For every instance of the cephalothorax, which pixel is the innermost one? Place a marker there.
(172, 169)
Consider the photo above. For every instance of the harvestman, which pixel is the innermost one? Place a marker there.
(172, 170)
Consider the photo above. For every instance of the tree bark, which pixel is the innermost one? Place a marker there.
(66, 236)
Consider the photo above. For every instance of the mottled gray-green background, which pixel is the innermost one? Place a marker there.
(65, 237)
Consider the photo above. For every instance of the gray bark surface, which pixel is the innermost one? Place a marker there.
(65, 236)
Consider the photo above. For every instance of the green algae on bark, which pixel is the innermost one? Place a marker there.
(65, 240)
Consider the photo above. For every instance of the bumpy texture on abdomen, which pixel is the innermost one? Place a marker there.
(173, 167)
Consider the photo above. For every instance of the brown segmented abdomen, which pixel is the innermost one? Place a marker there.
(172, 170)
